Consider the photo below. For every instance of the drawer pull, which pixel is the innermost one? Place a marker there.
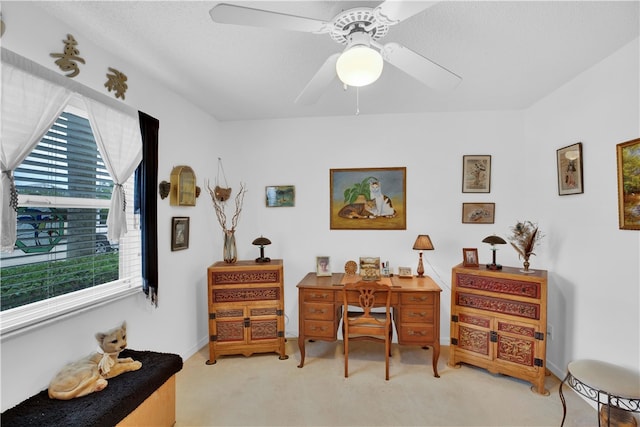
(421, 314)
(316, 328)
(324, 296)
(421, 333)
(420, 299)
(314, 311)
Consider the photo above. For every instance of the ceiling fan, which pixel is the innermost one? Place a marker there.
(359, 29)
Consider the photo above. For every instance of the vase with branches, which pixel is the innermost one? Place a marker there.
(230, 252)
(525, 235)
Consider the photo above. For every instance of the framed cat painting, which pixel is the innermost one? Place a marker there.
(368, 199)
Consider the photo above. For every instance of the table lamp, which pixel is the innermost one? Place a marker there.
(262, 242)
(423, 243)
(493, 241)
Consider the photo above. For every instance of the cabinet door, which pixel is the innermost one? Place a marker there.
(263, 324)
(229, 325)
(516, 344)
(474, 335)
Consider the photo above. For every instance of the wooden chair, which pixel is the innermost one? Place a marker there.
(365, 324)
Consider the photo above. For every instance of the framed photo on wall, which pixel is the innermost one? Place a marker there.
(628, 156)
(470, 257)
(323, 266)
(476, 174)
(478, 213)
(368, 199)
(277, 196)
(569, 161)
(179, 233)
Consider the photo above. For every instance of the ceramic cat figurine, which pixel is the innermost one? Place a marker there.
(383, 203)
(90, 374)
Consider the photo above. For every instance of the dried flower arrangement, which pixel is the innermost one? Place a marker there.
(524, 237)
(229, 250)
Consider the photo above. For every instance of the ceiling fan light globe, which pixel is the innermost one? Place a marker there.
(359, 66)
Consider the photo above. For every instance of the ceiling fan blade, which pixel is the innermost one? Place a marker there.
(323, 77)
(224, 13)
(391, 12)
(419, 67)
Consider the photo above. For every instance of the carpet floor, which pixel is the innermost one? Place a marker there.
(262, 390)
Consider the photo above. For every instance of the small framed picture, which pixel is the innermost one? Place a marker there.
(628, 157)
(470, 257)
(179, 233)
(569, 161)
(323, 266)
(278, 196)
(404, 272)
(478, 213)
(476, 174)
(370, 268)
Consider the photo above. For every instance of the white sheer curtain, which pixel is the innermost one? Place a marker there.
(120, 143)
(30, 105)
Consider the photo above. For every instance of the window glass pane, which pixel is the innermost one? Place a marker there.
(62, 243)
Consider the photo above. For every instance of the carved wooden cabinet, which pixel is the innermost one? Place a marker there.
(246, 308)
(499, 322)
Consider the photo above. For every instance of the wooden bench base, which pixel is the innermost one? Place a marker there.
(158, 410)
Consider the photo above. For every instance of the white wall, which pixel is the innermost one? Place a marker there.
(597, 109)
(594, 266)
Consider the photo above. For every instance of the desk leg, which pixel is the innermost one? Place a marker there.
(436, 356)
(564, 403)
(301, 347)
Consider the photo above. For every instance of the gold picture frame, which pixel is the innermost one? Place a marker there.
(569, 163)
(628, 158)
(368, 199)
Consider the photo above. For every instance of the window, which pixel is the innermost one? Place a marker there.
(62, 258)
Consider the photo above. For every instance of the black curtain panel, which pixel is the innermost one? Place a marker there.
(146, 204)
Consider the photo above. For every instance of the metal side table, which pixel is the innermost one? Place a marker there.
(614, 388)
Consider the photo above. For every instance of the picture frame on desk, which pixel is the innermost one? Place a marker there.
(470, 257)
(323, 266)
(405, 272)
(370, 268)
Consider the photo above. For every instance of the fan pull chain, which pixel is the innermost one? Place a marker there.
(357, 101)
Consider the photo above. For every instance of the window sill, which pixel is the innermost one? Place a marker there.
(18, 320)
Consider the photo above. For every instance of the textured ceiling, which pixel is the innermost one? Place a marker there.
(509, 54)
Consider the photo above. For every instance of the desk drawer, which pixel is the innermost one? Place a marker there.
(416, 314)
(318, 295)
(319, 328)
(415, 333)
(318, 311)
(417, 298)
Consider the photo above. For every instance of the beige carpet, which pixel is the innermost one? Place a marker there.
(262, 390)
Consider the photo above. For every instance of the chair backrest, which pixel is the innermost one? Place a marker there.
(367, 295)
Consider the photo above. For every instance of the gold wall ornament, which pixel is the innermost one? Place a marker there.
(116, 82)
(164, 187)
(183, 187)
(67, 60)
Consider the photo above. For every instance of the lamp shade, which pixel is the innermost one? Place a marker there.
(261, 241)
(359, 66)
(423, 243)
(494, 240)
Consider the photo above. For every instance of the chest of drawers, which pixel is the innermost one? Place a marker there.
(499, 322)
(246, 308)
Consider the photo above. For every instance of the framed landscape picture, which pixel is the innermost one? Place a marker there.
(368, 199)
(628, 156)
(478, 213)
(476, 174)
(569, 162)
(277, 196)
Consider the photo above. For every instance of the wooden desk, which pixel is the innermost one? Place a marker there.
(415, 301)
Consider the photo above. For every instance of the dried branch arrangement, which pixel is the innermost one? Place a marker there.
(524, 237)
(219, 206)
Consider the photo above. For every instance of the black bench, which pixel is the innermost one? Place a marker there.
(104, 408)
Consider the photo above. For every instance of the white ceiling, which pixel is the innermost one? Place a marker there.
(509, 54)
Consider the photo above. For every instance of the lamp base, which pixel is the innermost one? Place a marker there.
(263, 259)
(494, 266)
